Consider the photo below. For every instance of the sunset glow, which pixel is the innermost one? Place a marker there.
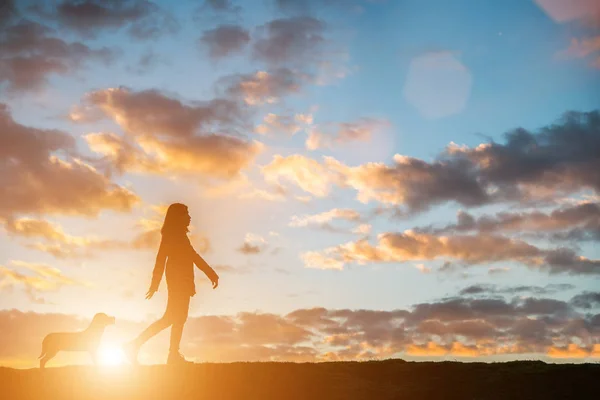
(111, 355)
(366, 179)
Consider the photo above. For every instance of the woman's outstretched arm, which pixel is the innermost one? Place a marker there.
(204, 267)
(159, 268)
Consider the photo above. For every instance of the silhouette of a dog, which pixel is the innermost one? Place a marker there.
(87, 340)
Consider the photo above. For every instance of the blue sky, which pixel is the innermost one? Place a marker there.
(409, 81)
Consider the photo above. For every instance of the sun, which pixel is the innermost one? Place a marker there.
(110, 355)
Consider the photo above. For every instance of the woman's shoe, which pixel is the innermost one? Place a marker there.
(175, 358)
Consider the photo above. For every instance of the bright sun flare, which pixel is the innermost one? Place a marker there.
(110, 355)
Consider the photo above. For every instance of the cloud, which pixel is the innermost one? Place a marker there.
(30, 53)
(144, 19)
(498, 270)
(587, 300)
(253, 244)
(584, 48)
(55, 241)
(528, 168)
(465, 249)
(324, 219)
(586, 11)
(152, 112)
(224, 40)
(44, 278)
(572, 222)
(306, 173)
(295, 40)
(283, 124)
(541, 328)
(300, 42)
(40, 174)
(310, 7)
(167, 136)
(413, 183)
(217, 9)
(423, 268)
(573, 351)
(263, 87)
(43, 235)
(587, 14)
(490, 290)
(360, 130)
(363, 229)
(148, 61)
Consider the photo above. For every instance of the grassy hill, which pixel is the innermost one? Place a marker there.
(391, 379)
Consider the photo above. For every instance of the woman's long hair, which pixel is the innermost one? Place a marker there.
(175, 220)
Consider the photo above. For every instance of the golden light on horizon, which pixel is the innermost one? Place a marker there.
(111, 355)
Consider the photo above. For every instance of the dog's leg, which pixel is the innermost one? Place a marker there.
(94, 355)
(47, 357)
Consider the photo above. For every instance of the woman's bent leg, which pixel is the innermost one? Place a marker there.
(151, 331)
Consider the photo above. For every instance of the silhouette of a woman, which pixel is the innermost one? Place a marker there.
(180, 256)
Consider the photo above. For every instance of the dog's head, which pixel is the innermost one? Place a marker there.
(102, 319)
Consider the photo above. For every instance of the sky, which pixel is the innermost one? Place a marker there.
(369, 178)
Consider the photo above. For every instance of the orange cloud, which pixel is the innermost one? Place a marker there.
(561, 11)
(44, 279)
(412, 246)
(325, 217)
(460, 327)
(55, 241)
(263, 87)
(360, 130)
(283, 124)
(582, 48)
(429, 349)
(306, 173)
(570, 351)
(168, 136)
(46, 177)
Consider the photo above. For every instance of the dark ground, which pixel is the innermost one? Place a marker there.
(392, 379)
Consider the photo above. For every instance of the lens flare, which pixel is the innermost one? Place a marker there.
(110, 355)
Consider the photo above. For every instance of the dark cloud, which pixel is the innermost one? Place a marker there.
(489, 289)
(290, 41)
(148, 61)
(30, 53)
(567, 261)
(311, 7)
(144, 19)
(253, 244)
(559, 160)
(8, 12)
(577, 222)
(38, 174)
(248, 248)
(464, 249)
(586, 300)
(221, 6)
(224, 40)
